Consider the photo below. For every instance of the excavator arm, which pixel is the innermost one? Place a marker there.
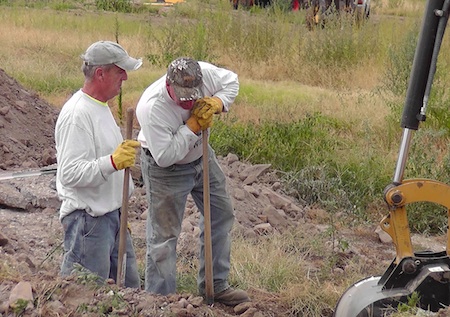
(425, 273)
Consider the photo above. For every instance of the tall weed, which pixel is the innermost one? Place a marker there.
(399, 63)
(114, 5)
(173, 41)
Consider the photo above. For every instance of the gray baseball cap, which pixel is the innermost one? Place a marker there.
(185, 76)
(107, 52)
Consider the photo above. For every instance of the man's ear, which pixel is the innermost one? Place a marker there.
(170, 90)
(99, 73)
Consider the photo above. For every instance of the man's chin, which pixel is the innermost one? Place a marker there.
(186, 106)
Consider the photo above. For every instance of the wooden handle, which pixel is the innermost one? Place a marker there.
(209, 285)
(122, 259)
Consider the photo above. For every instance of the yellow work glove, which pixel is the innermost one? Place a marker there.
(192, 123)
(207, 106)
(197, 124)
(205, 123)
(125, 154)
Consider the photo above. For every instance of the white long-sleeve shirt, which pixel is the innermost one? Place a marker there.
(162, 121)
(86, 134)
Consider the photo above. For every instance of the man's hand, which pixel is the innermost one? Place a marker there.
(125, 154)
(196, 124)
(192, 123)
(205, 123)
(206, 107)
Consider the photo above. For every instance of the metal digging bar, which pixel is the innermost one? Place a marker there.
(122, 259)
(29, 173)
(209, 283)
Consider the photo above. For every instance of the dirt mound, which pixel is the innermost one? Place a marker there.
(26, 127)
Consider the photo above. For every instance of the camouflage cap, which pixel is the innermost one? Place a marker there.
(185, 76)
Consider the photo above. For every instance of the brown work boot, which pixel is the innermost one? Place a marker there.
(231, 297)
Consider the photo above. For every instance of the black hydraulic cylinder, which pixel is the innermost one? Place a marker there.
(421, 66)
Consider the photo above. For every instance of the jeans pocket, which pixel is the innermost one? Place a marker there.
(89, 224)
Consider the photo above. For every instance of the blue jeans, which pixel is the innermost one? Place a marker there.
(93, 242)
(167, 190)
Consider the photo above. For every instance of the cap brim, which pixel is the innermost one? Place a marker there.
(130, 63)
(187, 93)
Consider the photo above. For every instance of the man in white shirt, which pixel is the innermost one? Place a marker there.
(172, 112)
(91, 155)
